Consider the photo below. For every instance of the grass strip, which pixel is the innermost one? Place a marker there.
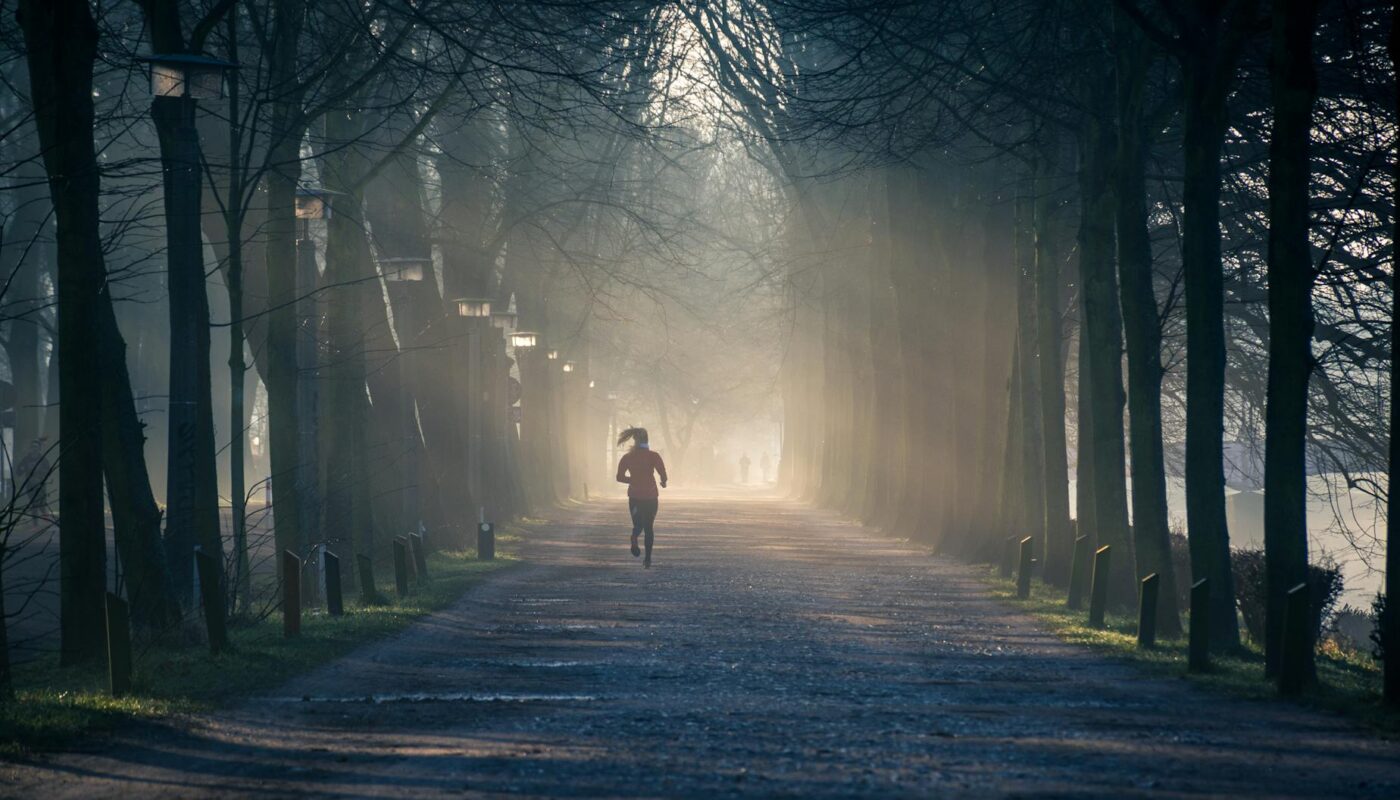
(56, 708)
(1349, 682)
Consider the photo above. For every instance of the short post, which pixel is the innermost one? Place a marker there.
(369, 594)
(1297, 639)
(211, 590)
(1198, 643)
(291, 594)
(1023, 574)
(1008, 556)
(1078, 573)
(1147, 611)
(401, 565)
(486, 541)
(1098, 587)
(330, 566)
(118, 646)
(420, 556)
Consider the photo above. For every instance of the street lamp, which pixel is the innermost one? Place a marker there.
(404, 269)
(474, 307)
(552, 355)
(178, 82)
(524, 339)
(187, 75)
(313, 204)
(568, 366)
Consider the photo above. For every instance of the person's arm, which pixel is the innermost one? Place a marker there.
(661, 470)
(622, 476)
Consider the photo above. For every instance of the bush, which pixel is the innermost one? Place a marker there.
(1324, 587)
(1379, 610)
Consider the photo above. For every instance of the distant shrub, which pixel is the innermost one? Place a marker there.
(1324, 587)
(1352, 628)
(1181, 565)
(1379, 609)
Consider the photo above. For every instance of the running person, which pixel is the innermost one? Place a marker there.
(635, 469)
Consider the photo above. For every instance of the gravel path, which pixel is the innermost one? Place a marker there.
(771, 651)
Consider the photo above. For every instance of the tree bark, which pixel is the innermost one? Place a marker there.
(61, 44)
(1205, 86)
(1294, 88)
(1102, 332)
(1141, 328)
(1059, 543)
(1390, 621)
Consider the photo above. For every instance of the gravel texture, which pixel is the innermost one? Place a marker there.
(772, 650)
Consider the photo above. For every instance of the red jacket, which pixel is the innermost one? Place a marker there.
(635, 469)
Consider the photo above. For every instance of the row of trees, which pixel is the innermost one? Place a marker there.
(331, 229)
(1098, 235)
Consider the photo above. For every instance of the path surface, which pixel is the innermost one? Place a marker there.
(772, 650)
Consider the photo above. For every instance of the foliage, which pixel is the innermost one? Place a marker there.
(1324, 588)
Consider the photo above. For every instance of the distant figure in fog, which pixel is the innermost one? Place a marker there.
(638, 469)
(31, 479)
(744, 463)
(764, 465)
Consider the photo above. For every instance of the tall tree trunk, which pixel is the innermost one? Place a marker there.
(61, 46)
(1102, 332)
(1294, 87)
(1204, 123)
(1141, 327)
(1390, 621)
(1028, 369)
(192, 486)
(284, 171)
(1059, 544)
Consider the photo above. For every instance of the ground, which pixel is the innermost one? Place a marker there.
(771, 650)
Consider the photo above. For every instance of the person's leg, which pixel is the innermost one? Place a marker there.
(633, 508)
(649, 525)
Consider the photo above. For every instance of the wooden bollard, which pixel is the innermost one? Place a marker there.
(369, 595)
(485, 541)
(335, 602)
(420, 556)
(118, 646)
(1147, 611)
(1027, 564)
(1198, 642)
(291, 594)
(1008, 556)
(211, 595)
(401, 565)
(1297, 639)
(1078, 573)
(1098, 587)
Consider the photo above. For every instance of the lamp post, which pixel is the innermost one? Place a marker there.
(405, 276)
(312, 205)
(475, 312)
(178, 82)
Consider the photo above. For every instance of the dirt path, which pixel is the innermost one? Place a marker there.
(772, 650)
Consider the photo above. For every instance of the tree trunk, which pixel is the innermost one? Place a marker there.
(1102, 332)
(61, 45)
(1141, 328)
(1204, 123)
(1059, 543)
(192, 486)
(1390, 621)
(1294, 88)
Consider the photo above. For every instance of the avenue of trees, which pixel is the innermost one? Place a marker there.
(1003, 268)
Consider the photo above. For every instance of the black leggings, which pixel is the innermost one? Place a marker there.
(643, 511)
